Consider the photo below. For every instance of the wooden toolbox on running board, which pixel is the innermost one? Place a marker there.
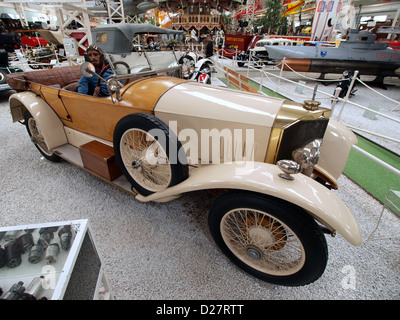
(100, 159)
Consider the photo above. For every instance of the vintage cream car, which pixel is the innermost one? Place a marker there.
(271, 161)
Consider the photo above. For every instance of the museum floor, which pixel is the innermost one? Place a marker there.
(165, 250)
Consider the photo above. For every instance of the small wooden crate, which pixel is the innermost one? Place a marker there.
(100, 159)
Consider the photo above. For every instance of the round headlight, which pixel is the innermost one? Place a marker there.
(307, 157)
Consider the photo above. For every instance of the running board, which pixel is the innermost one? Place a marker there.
(73, 155)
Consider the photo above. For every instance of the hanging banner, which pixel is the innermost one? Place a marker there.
(325, 18)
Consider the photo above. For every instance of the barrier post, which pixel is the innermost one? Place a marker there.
(348, 93)
(280, 74)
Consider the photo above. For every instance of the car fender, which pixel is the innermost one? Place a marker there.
(191, 54)
(141, 68)
(50, 124)
(263, 178)
(199, 64)
(337, 143)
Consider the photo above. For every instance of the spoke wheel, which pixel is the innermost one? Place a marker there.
(148, 153)
(145, 160)
(262, 241)
(268, 238)
(37, 138)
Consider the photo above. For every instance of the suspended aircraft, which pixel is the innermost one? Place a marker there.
(294, 7)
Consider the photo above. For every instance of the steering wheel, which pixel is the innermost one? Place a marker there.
(96, 92)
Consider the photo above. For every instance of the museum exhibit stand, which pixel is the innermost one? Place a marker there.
(51, 261)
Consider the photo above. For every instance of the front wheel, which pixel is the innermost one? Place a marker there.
(148, 153)
(270, 239)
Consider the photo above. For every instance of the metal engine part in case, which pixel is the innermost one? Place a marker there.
(14, 292)
(45, 237)
(2, 257)
(52, 252)
(13, 254)
(33, 289)
(65, 235)
(36, 253)
(11, 235)
(26, 242)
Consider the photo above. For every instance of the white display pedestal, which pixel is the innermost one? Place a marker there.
(77, 273)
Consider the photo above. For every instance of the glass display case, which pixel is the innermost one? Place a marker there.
(51, 261)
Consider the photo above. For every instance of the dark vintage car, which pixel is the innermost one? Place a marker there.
(272, 162)
(5, 69)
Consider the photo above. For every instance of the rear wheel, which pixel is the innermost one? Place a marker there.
(37, 138)
(270, 239)
(2, 77)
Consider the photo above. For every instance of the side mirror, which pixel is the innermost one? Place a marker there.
(88, 69)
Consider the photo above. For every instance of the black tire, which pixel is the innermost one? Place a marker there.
(3, 77)
(205, 66)
(252, 229)
(37, 139)
(168, 165)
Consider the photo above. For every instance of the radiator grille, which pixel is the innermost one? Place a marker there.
(298, 134)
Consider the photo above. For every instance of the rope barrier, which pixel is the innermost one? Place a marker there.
(358, 79)
(382, 95)
(309, 78)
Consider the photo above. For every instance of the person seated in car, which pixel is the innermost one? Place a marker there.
(88, 85)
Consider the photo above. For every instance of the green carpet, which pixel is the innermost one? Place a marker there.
(371, 176)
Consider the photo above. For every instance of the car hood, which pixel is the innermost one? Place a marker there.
(219, 111)
(215, 103)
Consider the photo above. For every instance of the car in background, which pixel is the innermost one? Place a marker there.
(194, 65)
(259, 55)
(5, 69)
(33, 41)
